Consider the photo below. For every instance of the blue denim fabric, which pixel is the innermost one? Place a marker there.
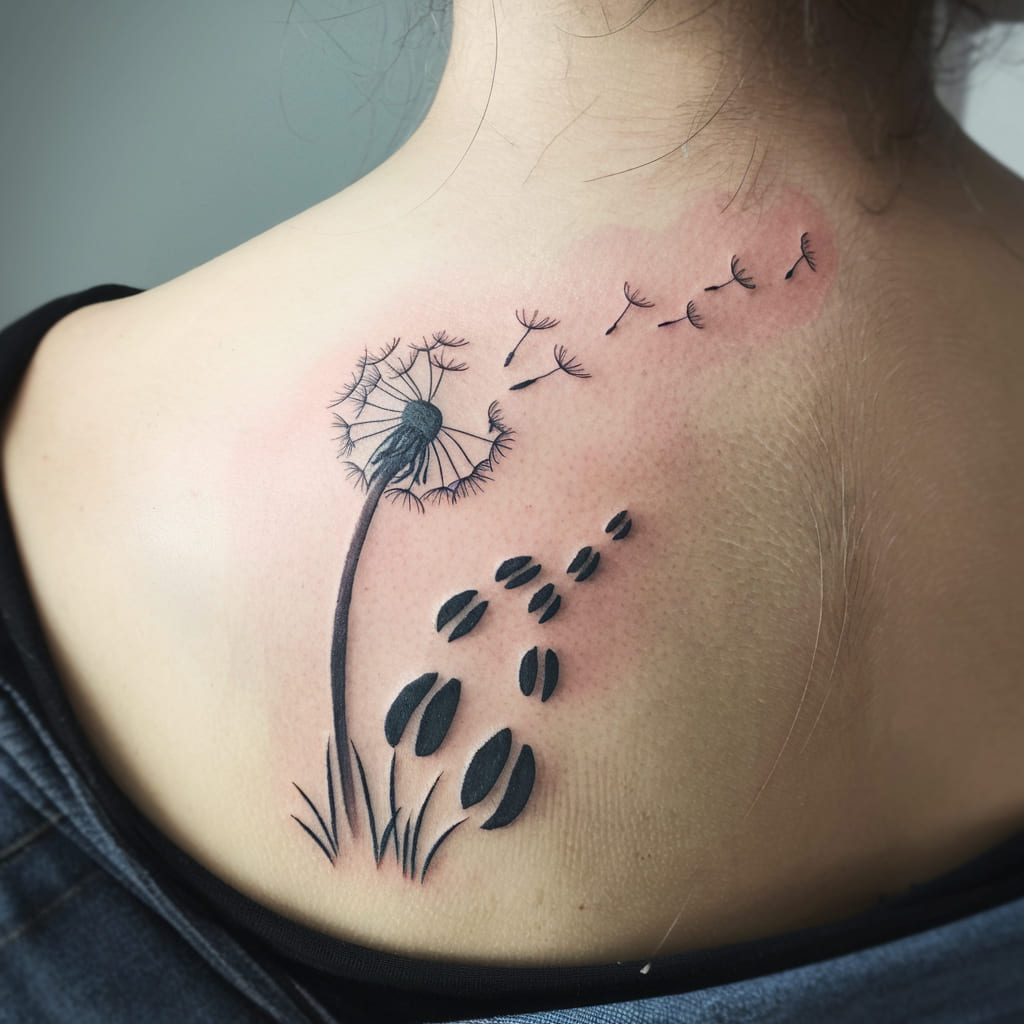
(967, 972)
(86, 934)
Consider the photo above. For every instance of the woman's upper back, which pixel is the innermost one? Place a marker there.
(705, 494)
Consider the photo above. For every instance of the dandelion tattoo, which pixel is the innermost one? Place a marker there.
(397, 443)
(532, 323)
(406, 441)
(806, 256)
(633, 298)
(739, 275)
(691, 315)
(563, 362)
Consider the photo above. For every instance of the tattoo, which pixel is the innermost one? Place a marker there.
(806, 256)
(633, 298)
(739, 275)
(563, 362)
(691, 315)
(426, 712)
(531, 323)
(406, 441)
(397, 441)
(529, 667)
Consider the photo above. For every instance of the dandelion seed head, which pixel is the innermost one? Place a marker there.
(407, 441)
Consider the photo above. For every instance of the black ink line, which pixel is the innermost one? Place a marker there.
(564, 362)
(316, 839)
(319, 817)
(369, 805)
(531, 323)
(419, 822)
(437, 846)
(394, 809)
(330, 800)
(806, 256)
(389, 831)
(633, 298)
(695, 319)
(339, 644)
(739, 275)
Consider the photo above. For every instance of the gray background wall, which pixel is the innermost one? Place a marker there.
(140, 138)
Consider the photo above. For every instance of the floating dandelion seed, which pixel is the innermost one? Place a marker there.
(564, 362)
(633, 298)
(531, 323)
(691, 315)
(806, 256)
(396, 443)
(739, 275)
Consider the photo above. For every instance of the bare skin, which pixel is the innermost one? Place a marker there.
(799, 690)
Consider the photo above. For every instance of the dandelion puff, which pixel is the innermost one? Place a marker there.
(569, 364)
(472, 484)
(634, 298)
(500, 449)
(563, 362)
(357, 475)
(445, 494)
(343, 436)
(807, 256)
(449, 364)
(443, 339)
(382, 354)
(405, 497)
(495, 419)
(403, 367)
(532, 323)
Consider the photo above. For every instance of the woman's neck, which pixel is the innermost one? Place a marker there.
(602, 99)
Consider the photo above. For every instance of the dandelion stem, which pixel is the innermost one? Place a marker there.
(339, 644)
(617, 319)
(533, 380)
(511, 355)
